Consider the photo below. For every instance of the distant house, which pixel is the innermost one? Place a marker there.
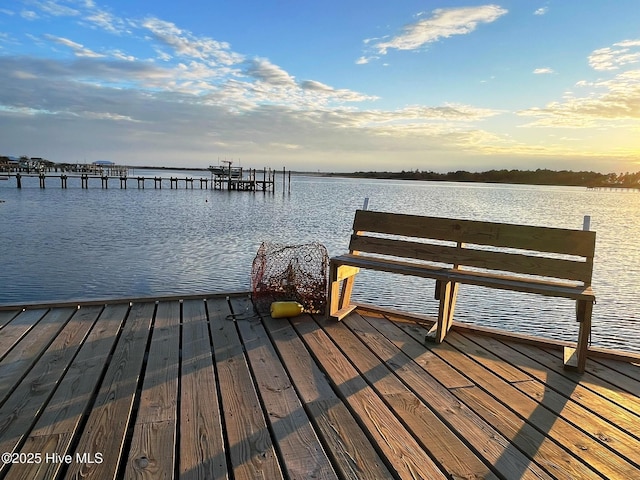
(9, 163)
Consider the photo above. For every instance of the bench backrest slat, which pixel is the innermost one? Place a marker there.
(492, 260)
(539, 239)
(543, 243)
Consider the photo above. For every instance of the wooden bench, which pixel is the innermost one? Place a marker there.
(547, 261)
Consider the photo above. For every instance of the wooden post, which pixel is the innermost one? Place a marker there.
(157, 182)
(576, 358)
(104, 180)
(18, 180)
(123, 183)
(289, 189)
(63, 181)
(42, 177)
(141, 182)
(84, 181)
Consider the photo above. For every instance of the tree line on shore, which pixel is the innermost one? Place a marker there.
(530, 177)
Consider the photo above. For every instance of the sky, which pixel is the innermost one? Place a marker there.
(332, 86)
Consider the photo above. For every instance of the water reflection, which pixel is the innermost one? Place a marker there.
(74, 243)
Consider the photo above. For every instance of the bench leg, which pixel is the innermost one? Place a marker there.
(446, 294)
(340, 298)
(576, 358)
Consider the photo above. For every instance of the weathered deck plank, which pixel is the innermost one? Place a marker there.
(524, 358)
(27, 351)
(104, 433)
(153, 444)
(251, 448)
(478, 432)
(177, 389)
(581, 445)
(404, 453)
(423, 418)
(632, 370)
(19, 326)
(27, 400)
(60, 421)
(300, 449)
(6, 316)
(202, 452)
(625, 390)
(353, 455)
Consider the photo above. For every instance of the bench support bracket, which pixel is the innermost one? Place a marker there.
(446, 294)
(340, 298)
(576, 358)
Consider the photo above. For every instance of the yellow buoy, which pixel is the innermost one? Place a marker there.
(285, 309)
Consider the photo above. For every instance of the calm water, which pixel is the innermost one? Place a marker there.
(77, 244)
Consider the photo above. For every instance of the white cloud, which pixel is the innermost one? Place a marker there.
(107, 22)
(443, 23)
(78, 49)
(186, 44)
(612, 58)
(21, 75)
(164, 56)
(543, 71)
(541, 11)
(120, 55)
(265, 71)
(55, 8)
(107, 116)
(318, 86)
(29, 15)
(608, 103)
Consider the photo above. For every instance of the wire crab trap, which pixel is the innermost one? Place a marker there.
(290, 272)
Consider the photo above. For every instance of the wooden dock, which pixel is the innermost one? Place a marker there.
(175, 388)
(250, 182)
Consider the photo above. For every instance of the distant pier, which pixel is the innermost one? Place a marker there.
(231, 179)
(614, 188)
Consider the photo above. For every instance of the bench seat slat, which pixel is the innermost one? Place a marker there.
(504, 282)
(541, 239)
(491, 260)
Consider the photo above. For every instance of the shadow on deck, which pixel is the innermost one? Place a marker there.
(178, 389)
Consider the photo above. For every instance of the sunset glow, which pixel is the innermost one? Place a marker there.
(330, 86)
